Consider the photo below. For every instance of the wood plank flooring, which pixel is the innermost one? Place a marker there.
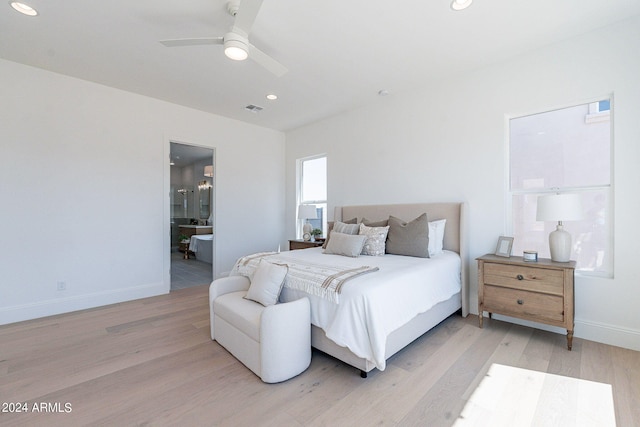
(152, 362)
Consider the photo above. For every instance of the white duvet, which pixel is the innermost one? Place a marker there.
(374, 305)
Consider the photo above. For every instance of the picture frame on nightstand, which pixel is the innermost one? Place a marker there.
(504, 246)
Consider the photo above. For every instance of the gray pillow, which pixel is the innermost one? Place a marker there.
(332, 224)
(369, 223)
(345, 244)
(266, 283)
(343, 227)
(410, 239)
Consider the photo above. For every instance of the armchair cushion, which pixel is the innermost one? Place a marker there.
(242, 313)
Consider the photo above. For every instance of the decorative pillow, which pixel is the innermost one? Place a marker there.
(376, 239)
(345, 244)
(330, 225)
(368, 223)
(410, 239)
(267, 283)
(343, 227)
(436, 236)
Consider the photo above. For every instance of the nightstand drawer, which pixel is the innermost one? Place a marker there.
(526, 278)
(523, 304)
(302, 244)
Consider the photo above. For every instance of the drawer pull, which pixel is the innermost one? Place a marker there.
(519, 277)
(520, 302)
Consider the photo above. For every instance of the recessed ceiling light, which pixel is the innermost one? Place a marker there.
(460, 4)
(272, 97)
(23, 8)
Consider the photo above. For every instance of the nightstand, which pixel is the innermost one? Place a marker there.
(302, 244)
(539, 291)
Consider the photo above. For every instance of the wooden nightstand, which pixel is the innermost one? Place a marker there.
(302, 244)
(539, 291)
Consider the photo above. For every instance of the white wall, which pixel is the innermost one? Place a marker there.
(447, 141)
(84, 184)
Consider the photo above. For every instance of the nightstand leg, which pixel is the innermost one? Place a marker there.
(480, 317)
(569, 339)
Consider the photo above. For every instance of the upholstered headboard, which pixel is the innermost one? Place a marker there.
(455, 235)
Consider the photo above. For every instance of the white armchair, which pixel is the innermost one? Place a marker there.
(273, 341)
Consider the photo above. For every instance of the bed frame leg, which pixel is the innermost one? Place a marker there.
(363, 374)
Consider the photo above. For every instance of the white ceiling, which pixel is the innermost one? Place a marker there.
(339, 53)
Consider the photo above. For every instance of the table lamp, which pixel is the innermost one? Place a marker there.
(559, 207)
(307, 212)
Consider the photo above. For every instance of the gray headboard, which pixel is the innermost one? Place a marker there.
(455, 234)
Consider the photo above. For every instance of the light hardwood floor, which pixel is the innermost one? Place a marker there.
(152, 362)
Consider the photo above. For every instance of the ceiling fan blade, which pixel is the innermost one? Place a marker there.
(246, 16)
(266, 61)
(192, 42)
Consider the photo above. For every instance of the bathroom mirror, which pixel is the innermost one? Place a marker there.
(205, 203)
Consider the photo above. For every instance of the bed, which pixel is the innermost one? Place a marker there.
(398, 308)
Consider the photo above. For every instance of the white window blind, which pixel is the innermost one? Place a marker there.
(564, 151)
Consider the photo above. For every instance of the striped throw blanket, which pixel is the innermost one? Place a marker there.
(322, 280)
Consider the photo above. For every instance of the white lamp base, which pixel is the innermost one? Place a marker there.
(306, 231)
(560, 244)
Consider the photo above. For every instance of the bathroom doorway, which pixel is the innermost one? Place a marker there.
(192, 215)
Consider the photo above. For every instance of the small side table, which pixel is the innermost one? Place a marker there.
(539, 291)
(184, 248)
(302, 244)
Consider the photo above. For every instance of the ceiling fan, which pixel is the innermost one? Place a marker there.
(236, 41)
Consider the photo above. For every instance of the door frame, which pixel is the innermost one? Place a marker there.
(166, 239)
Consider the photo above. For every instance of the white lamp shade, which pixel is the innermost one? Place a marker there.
(208, 171)
(307, 212)
(559, 207)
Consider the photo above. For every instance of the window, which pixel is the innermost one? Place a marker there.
(564, 151)
(312, 189)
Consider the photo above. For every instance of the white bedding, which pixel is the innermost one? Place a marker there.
(374, 305)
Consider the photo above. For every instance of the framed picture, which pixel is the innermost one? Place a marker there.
(504, 246)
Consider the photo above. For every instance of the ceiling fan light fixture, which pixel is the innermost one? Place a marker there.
(25, 9)
(235, 47)
(460, 4)
(236, 53)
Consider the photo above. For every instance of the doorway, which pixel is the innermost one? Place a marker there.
(192, 215)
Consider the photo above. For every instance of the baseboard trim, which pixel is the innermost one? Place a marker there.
(608, 334)
(593, 331)
(588, 330)
(51, 307)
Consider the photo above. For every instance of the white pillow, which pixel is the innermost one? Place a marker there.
(376, 239)
(345, 244)
(267, 283)
(436, 236)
